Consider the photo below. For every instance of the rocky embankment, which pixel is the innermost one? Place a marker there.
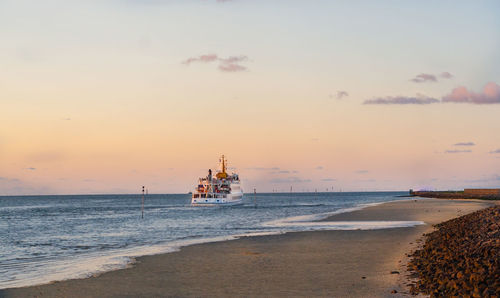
(461, 258)
(454, 195)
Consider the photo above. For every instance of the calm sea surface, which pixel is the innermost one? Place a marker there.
(46, 238)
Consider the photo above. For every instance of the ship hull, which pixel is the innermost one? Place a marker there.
(217, 200)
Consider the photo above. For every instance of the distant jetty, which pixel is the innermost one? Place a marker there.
(468, 193)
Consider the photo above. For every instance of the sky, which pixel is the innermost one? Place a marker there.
(104, 96)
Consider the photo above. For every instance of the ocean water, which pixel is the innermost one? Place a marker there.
(47, 238)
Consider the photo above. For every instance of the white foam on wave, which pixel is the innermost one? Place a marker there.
(318, 216)
(312, 222)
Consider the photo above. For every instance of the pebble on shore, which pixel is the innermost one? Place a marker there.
(461, 258)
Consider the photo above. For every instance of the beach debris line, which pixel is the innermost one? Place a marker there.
(461, 258)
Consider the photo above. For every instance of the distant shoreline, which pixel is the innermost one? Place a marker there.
(188, 194)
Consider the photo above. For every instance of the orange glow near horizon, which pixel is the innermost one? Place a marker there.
(108, 105)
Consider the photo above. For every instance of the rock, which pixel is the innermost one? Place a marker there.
(394, 272)
(460, 258)
(394, 292)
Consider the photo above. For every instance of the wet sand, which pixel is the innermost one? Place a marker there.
(321, 263)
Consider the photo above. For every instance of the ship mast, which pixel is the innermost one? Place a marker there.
(222, 174)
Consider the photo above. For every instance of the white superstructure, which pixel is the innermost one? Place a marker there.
(223, 189)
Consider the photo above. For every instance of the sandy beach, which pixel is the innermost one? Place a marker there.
(357, 263)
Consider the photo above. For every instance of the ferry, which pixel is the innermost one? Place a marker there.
(221, 189)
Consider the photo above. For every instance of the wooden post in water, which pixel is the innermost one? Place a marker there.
(255, 198)
(142, 207)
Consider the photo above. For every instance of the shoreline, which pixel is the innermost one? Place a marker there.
(295, 248)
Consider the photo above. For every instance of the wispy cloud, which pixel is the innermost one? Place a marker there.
(201, 58)
(290, 180)
(263, 169)
(401, 100)
(319, 168)
(339, 95)
(464, 144)
(446, 75)
(486, 178)
(489, 95)
(328, 179)
(14, 186)
(457, 151)
(424, 77)
(279, 172)
(30, 168)
(427, 77)
(362, 172)
(229, 64)
(495, 151)
(45, 156)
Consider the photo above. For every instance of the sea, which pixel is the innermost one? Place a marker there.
(51, 238)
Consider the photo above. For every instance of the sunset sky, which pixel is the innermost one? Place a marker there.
(104, 96)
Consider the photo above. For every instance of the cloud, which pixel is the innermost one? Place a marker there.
(495, 151)
(457, 151)
(362, 172)
(319, 168)
(229, 64)
(279, 172)
(328, 179)
(464, 144)
(14, 186)
(424, 77)
(290, 180)
(401, 100)
(490, 95)
(446, 75)
(339, 95)
(30, 168)
(45, 156)
(263, 169)
(487, 178)
(366, 180)
(202, 59)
